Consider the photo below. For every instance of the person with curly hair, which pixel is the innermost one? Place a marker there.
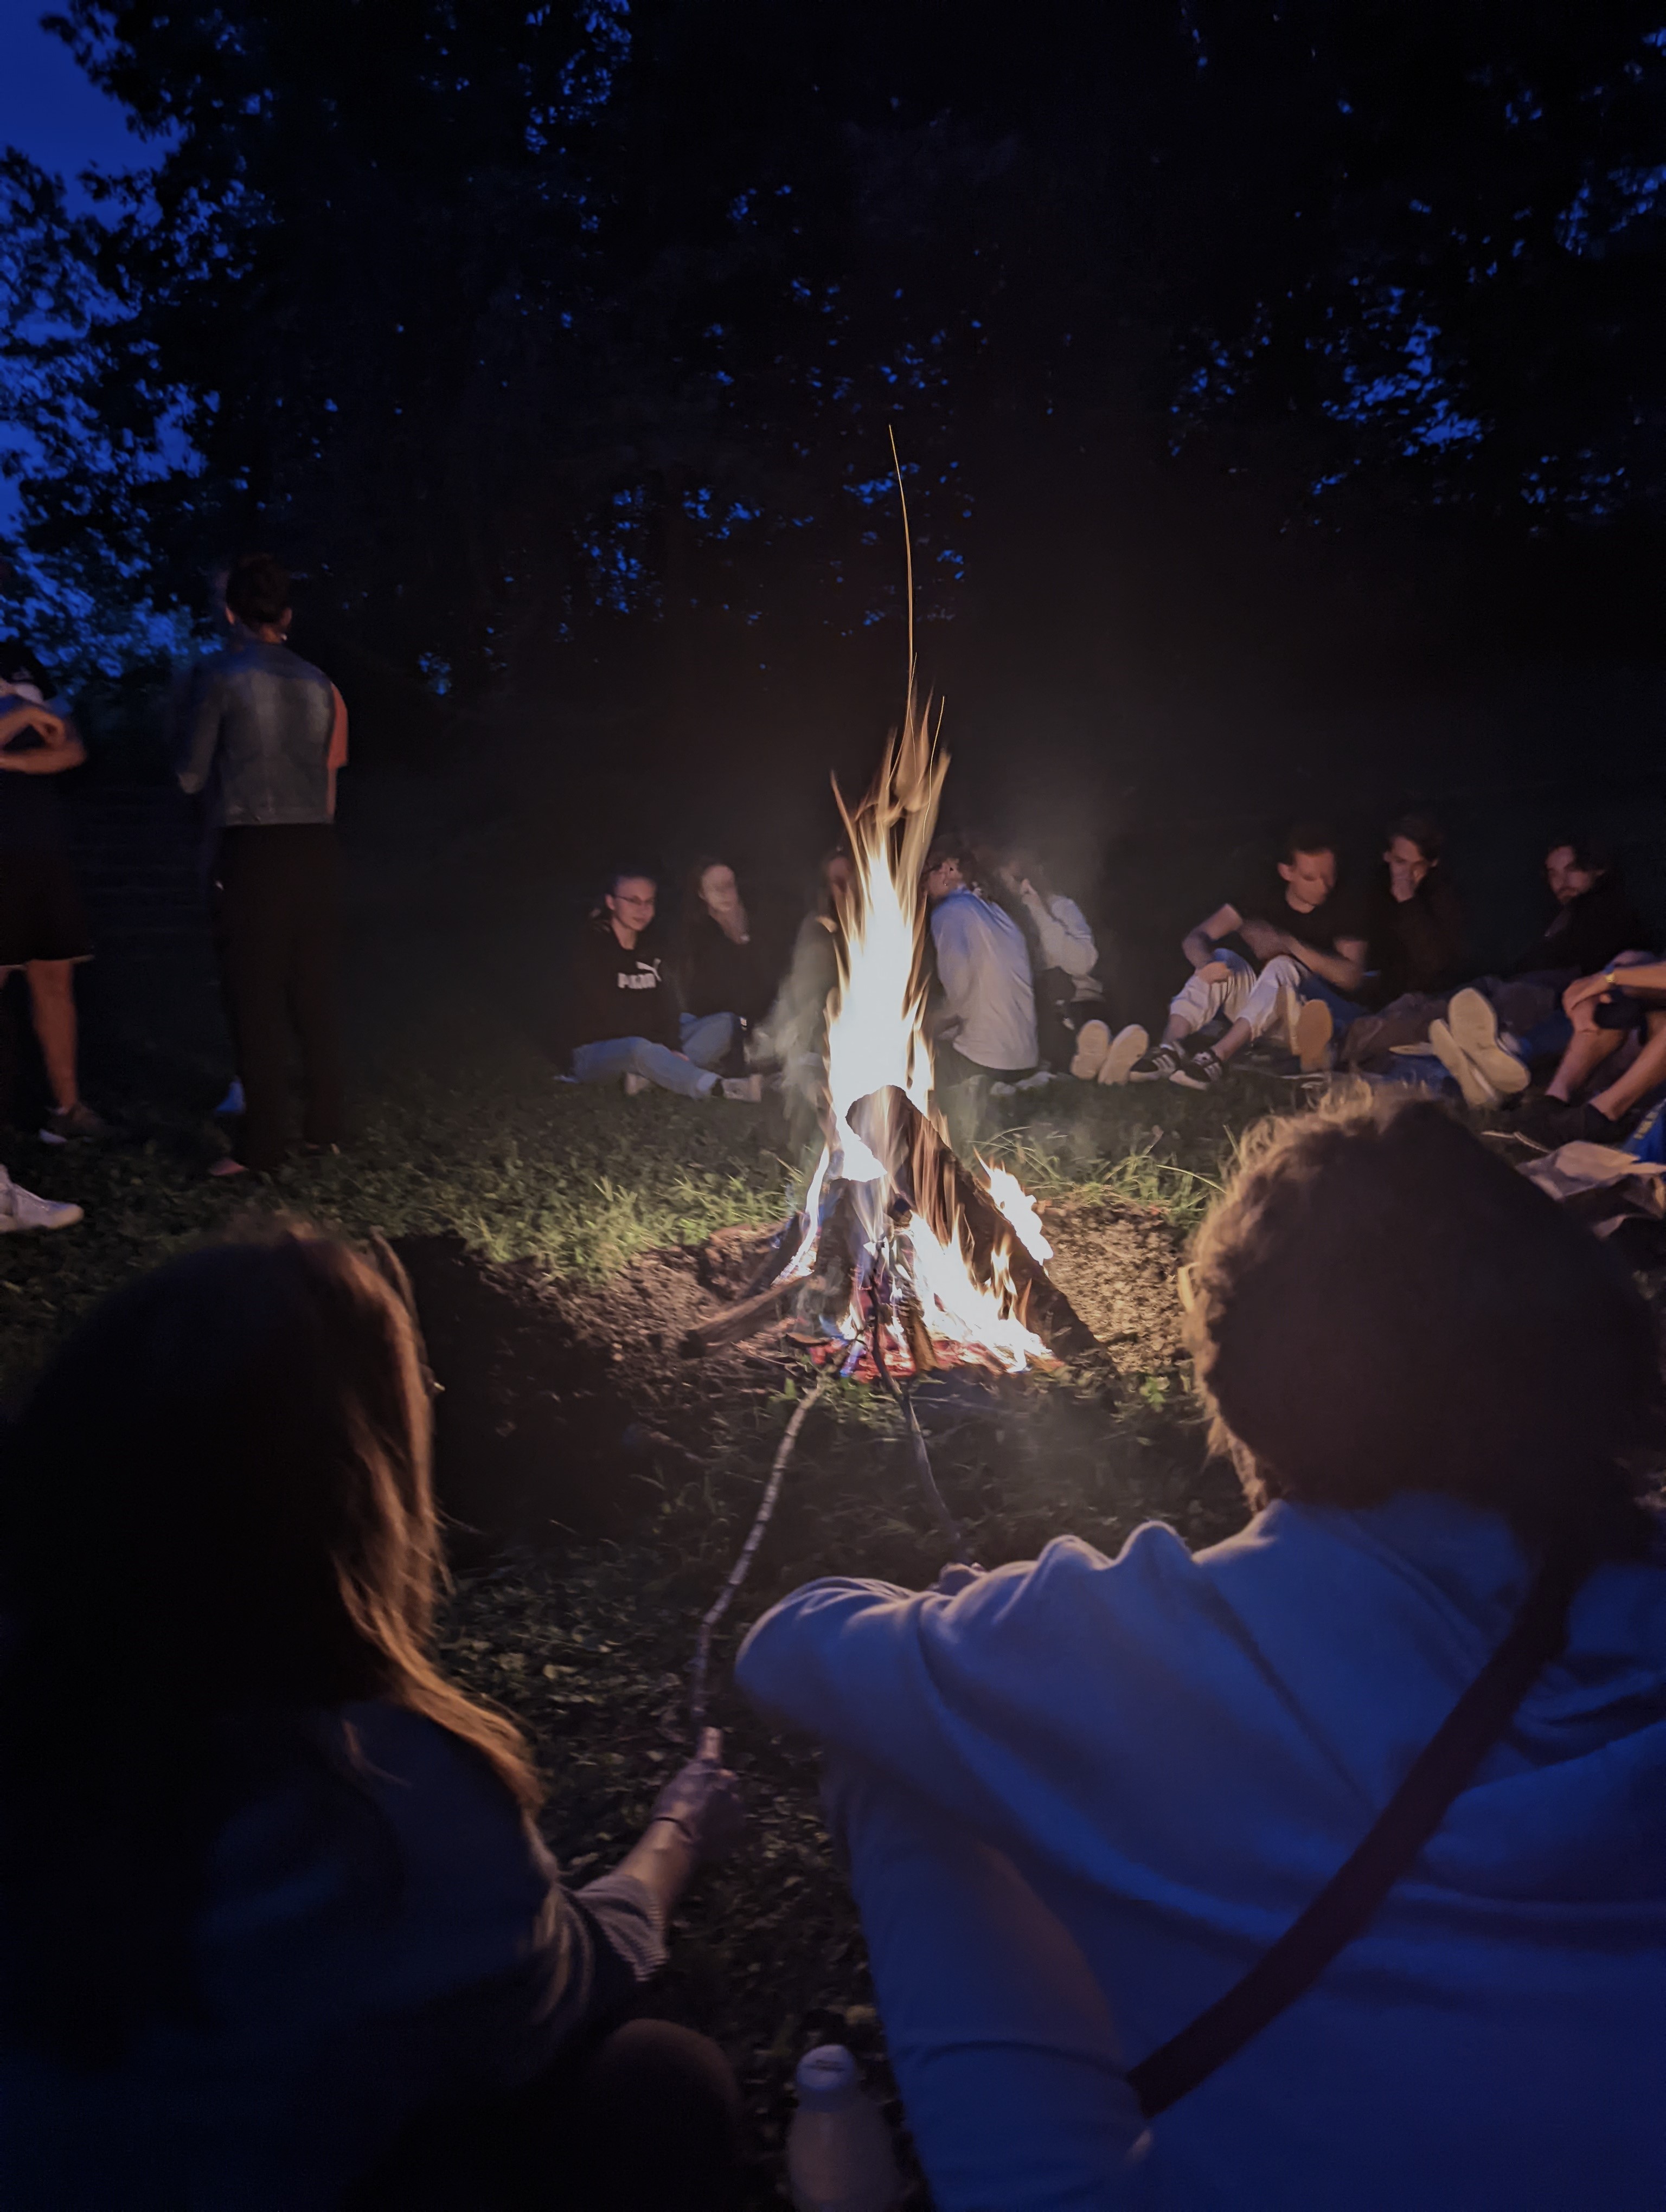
(1333, 1854)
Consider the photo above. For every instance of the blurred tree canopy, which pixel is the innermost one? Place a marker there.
(515, 325)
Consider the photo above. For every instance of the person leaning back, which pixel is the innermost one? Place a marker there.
(268, 733)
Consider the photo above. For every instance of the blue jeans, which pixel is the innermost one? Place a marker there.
(687, 1073)
(1345, 1011)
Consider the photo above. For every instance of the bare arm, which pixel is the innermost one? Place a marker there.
(1643, 975)
(60, 748)
(1199, 945)
(1344, 967)
(698, 1815)
(337, 743)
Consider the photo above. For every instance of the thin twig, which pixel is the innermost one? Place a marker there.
(702, 1648)
(935, 1502)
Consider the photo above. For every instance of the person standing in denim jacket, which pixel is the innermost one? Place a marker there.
(267, 734)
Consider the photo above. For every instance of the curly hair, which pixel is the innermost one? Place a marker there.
(1379, 1303)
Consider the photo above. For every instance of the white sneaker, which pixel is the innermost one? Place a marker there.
(1038, 1081)
(1474, 1029)
(635, 1084)
(747, 1088)
(21, 1209)
(1287, 1019)
(1471, 1078)
(1092, 1043)
(1126, 1047)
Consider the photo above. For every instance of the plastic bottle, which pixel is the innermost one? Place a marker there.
(839, 2157)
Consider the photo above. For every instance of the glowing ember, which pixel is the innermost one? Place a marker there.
(877, 1273)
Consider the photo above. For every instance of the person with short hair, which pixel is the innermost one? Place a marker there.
(1592, 925)
(1303, 968)
(267, 738)
(43, 928)
(276, 1926)
(985, 1027)
(623, 1006)
(1081, 1799)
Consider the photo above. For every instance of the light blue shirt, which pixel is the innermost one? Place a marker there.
(1162, 1759)
(983, 964)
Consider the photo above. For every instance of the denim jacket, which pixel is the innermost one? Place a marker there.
(259, 735)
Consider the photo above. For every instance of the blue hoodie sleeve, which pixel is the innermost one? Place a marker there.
(981, 1700)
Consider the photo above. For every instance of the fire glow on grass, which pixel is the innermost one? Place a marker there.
(876, 1038)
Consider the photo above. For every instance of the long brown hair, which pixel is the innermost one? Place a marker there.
(216, 1529)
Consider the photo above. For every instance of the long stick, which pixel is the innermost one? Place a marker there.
(703, 1647)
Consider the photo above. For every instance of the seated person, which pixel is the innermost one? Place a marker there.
(794, 1031)
(1072, 1017)
(623, 1006)
(1627, 1000)
(727, 964)
(986, 1025)
(1306, 939)
(1593, 922)
(1415, 928)
(279, 1930)
(1434, 1384)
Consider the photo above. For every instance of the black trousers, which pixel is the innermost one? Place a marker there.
(277, 924)
(646, 2120)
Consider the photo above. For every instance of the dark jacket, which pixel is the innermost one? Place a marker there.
(1586, 933)
(719, 976)
(616, 993)
(1418, 943)
(258, 737)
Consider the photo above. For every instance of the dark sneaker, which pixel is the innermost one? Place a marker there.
(1157, 1065)
(1582, 1125)
(1200, 1071)
(65, 1122)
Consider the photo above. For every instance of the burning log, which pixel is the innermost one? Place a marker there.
(746, 1317)
(929, 1179)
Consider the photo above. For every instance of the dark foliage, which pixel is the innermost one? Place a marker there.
(521, 327)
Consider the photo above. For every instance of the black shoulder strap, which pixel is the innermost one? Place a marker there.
(1348, 1901)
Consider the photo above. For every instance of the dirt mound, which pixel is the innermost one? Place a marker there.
(1117, 1263)
(560, 1401)
(563, 1403)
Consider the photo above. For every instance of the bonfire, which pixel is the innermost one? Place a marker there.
(900, 1260)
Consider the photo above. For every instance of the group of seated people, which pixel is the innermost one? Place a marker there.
(1376, 978)
(278, 1930)
(721, 1002)
(1375, 981)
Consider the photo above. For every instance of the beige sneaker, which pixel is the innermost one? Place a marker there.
(635, 1084)
(1126, 1047)
(1470, 1077)
(1314, 1029)
(1092, 1043)
(747, 1088)
(1287, 1016)
(1474, 1029)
